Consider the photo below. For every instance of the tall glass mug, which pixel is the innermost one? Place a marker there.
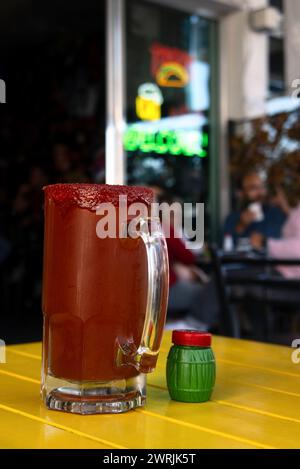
(104, 298)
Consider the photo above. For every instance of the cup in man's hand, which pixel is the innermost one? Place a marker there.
(257, 210)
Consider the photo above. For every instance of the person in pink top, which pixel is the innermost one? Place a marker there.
(288, 246)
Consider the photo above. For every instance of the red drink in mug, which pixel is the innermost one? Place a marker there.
(104, 300)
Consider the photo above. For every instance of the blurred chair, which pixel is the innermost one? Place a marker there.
(229, 319)
(270, 292)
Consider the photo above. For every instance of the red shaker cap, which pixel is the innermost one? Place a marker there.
(191, 338)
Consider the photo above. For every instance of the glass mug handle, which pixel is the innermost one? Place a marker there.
(144, 357)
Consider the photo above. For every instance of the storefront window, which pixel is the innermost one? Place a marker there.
(168, 83)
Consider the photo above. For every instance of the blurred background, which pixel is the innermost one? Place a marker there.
(197, 99)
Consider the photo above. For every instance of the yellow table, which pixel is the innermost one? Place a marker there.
(256, 404)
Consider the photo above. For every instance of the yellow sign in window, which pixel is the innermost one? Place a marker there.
(148, 102)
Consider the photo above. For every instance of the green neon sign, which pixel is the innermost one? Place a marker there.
(174, 142)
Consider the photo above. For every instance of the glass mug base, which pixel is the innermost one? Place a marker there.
(94, 397)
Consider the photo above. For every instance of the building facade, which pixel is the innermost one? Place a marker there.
(177, 73)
